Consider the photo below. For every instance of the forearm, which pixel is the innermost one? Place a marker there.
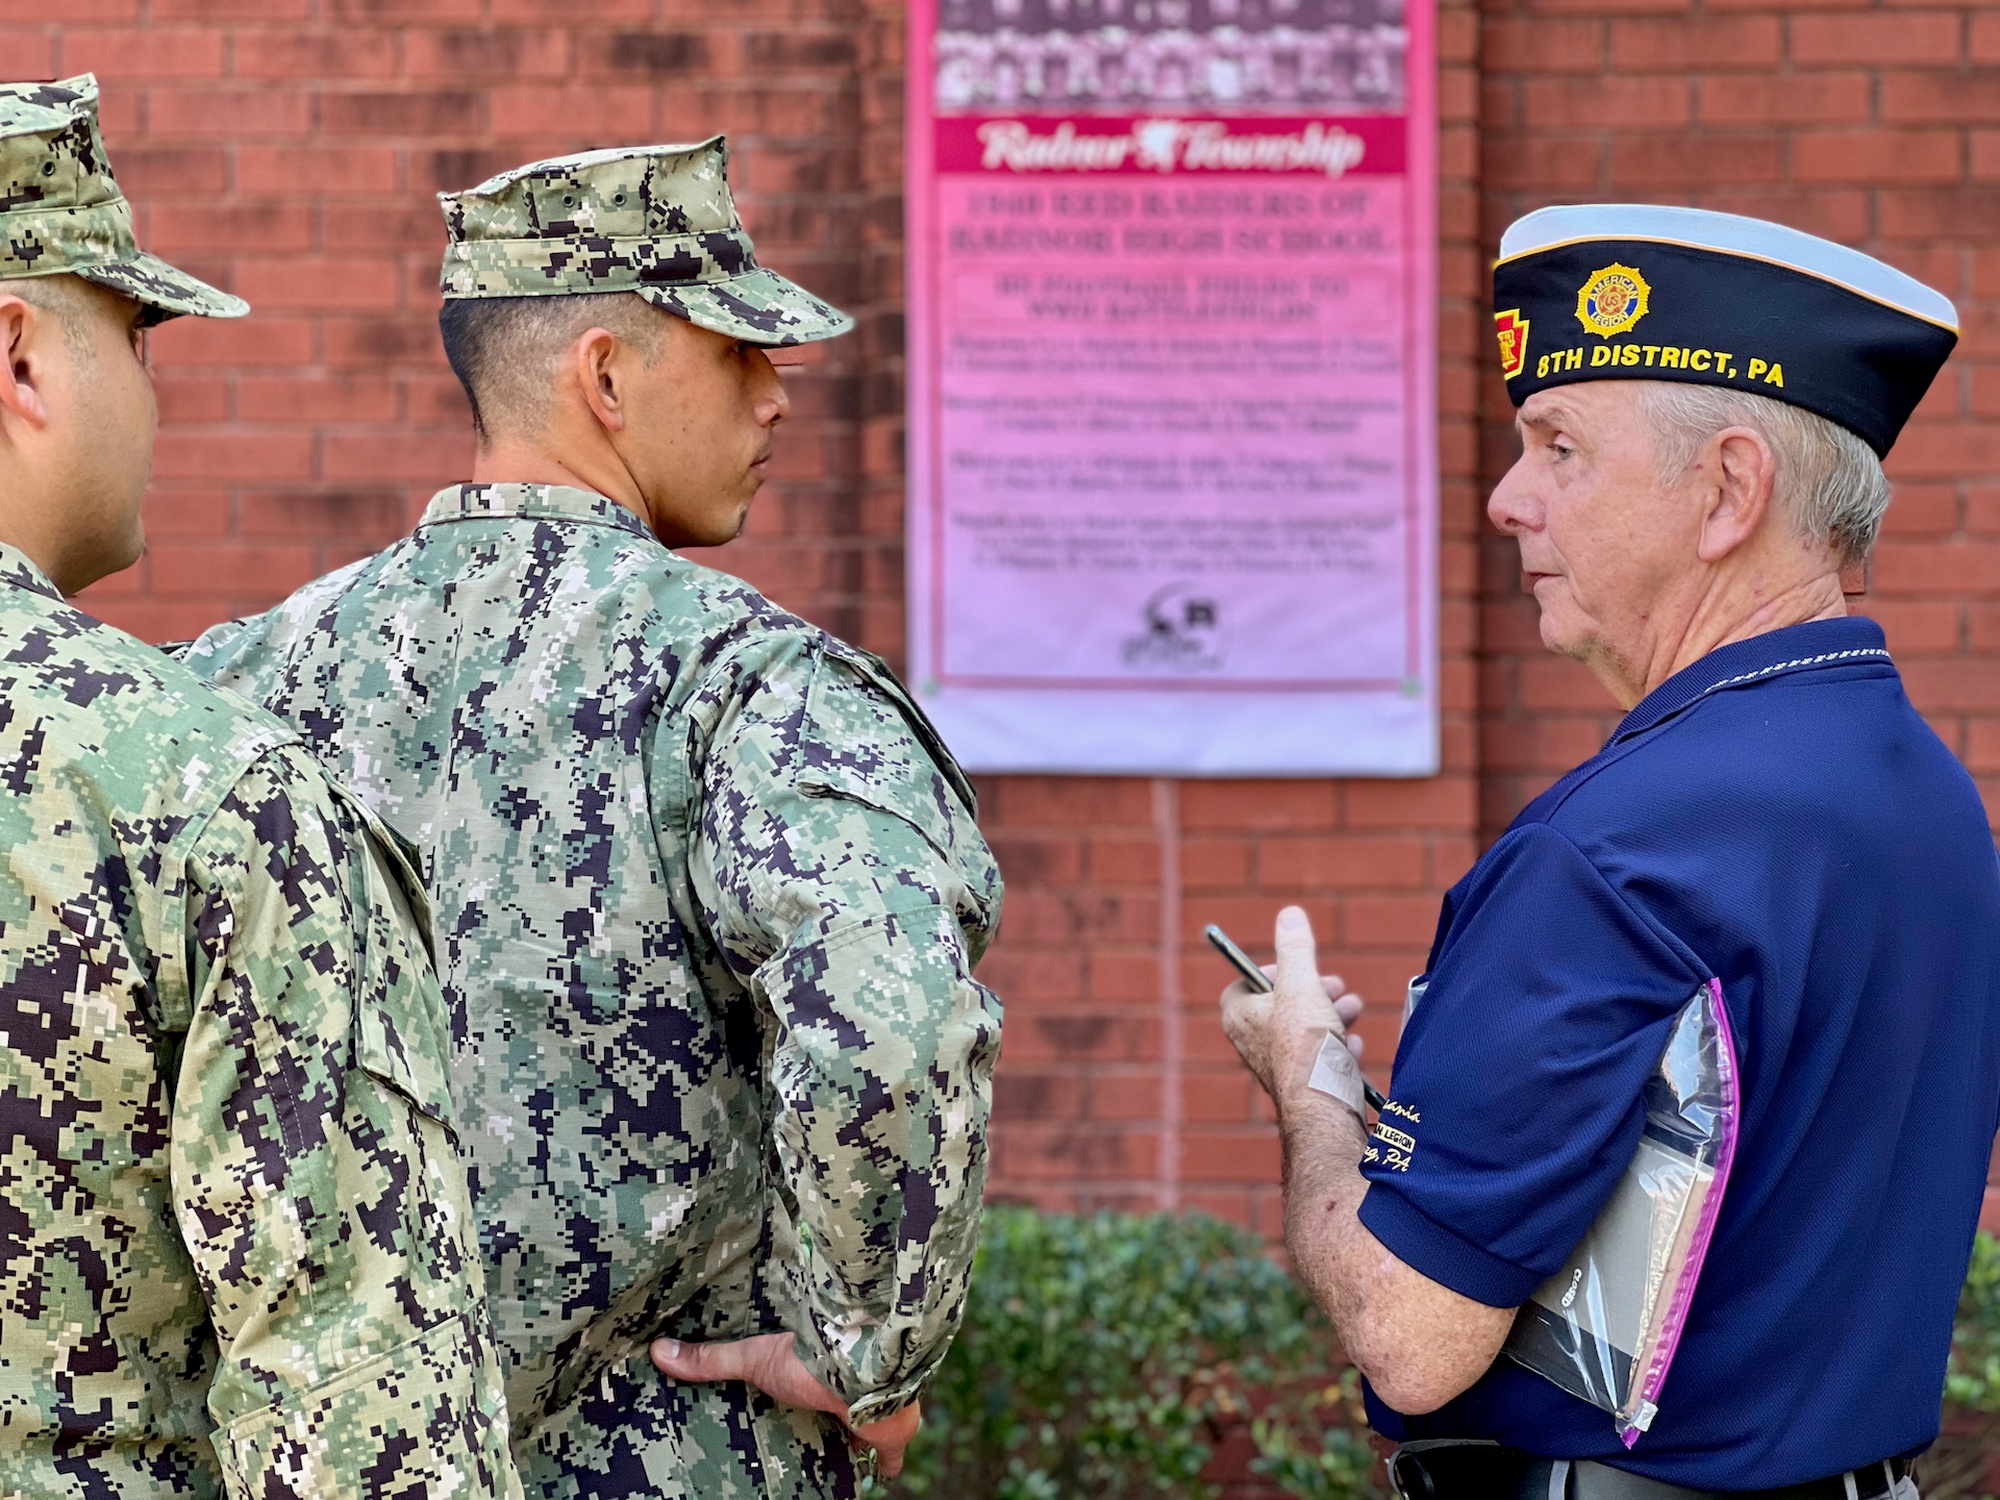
(1418, 1343)
(887, 1155)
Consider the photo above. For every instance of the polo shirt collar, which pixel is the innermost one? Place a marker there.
(18, 570)
(1813, 646)
(481, 502)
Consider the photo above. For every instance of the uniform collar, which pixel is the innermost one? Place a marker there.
(1811, 647)
(481, 502)
(18, 570)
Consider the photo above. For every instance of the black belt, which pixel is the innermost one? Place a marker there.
(1449, 1469)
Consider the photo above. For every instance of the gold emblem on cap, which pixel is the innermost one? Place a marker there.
(1612, 300)
(1512, 329)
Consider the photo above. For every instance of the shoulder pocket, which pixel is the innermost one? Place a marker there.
(401, 1039)
(401, 1033)
(866, 739)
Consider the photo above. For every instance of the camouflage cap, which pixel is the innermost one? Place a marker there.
(655, 220)
(61, 211)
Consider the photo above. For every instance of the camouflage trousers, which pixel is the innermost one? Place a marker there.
(638, 1433)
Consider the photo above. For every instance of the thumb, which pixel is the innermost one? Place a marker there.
(1298, 954)
(697, 1362)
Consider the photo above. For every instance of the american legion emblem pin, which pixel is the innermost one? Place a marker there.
(1513, 331)
(1612, 300)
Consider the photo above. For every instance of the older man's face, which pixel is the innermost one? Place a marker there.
(1604, 539)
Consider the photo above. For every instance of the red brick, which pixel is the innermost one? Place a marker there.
(1589, 102)
(1785, 98)
(1286, 865)
(1968, 98)
(464, 54)
(175, 511)
(174, 227)
(1917, 626)
(371, 517)
(317, 282)
(428, 11)
(255, 340)
(121, 55)
(150, 173)
(1718, 44)
(323, 399)
(30, 50)
(1870, 156)
(317, 171)
(229, 112)
(426, 113)
(1548, 164)
(185, 453)
(373, 342)
(1531, 46)
(602, 12)
(186, 398)
(1292, 805)
(1429, 802)
(222, 10)
(1651, 161)
(1877, 40)
(343, 53)
(202, 569)
(74, 11)
(611, 110)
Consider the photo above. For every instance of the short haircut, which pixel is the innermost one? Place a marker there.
(504, 350)
(63, 297)
(1829, 482)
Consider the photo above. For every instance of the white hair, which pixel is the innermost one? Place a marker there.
(1829, 482)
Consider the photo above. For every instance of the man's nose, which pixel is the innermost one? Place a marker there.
(1512, 506)
(773, 401)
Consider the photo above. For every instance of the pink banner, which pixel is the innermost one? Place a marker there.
(1172, 410)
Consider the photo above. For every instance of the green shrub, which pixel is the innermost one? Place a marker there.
(1104, 1356)
(1956, 1468)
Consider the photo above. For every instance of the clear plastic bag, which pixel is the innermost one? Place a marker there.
(1605, 1327)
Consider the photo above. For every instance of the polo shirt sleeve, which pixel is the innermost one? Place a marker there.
(1518, 1081)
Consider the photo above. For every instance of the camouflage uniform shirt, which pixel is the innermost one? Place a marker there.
(234, 1231)
(708, 896)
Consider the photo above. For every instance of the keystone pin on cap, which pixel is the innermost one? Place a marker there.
(61, 211)
(655, 220)
(1633, 291)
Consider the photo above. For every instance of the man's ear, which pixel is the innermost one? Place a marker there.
(1741, 476)
(594, 360)
(22, 365)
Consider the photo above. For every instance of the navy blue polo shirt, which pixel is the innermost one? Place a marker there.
(1778, 817)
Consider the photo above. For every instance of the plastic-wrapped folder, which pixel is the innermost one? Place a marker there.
(1606, 1326)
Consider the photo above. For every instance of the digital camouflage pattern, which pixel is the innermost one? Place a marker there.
(708, 896)
(60, 208)
(235, 1247)
(655, 220)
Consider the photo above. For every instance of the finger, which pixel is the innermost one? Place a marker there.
(1348, 1008)
(701, 1362)
(1333, 984)
(1298, 955)
(889, 1436)
(1354, 1046)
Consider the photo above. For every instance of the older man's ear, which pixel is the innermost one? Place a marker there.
(1737, 476)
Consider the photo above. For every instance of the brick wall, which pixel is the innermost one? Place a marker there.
(289, 149)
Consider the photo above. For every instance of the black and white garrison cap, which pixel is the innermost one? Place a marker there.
(1635, 291)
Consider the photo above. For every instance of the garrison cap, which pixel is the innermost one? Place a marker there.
(61, 211)
(1633, 291)
(655, 220)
